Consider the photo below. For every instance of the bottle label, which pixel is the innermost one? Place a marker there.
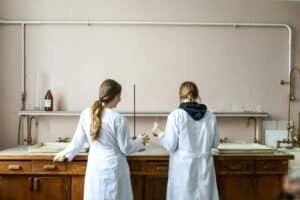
(47, 103)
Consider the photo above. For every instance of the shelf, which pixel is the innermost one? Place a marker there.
(242, 114)
(138, 114)
(49, 113)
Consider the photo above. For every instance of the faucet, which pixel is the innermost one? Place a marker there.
(29, 139)
(66, 139)
(255, 140)
(292, 86)
(224, 140)
(291, 97)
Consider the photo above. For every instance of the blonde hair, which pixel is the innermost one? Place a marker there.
(108, 90)
(188, 90)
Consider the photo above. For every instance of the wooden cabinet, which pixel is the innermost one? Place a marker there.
(50, 187)
(15, 187)
(34, 180)
(149, 178)
(155, 187)
(238, 177)
(256, 178)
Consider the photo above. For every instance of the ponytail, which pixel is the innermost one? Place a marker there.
(108, 90)
(96, 123)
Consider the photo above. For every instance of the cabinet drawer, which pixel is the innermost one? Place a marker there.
(48, 166)
(155, 166)
(235, 166)
(135, 165)
(271, 166)
(15, 167)
(77, 168)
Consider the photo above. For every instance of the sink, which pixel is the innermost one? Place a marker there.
(251, 148)
(294, 164)
(53, 147)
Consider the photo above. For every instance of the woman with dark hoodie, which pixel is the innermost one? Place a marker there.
(190, 134)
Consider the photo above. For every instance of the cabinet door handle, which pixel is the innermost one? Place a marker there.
(36, 182)
(234, 167)
(14, 167)
(284, 162)
(269, 167)
(50, 167)
(162, 168)
(30, 179)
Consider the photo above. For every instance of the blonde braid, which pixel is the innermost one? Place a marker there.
(108, 90)
(96, 125)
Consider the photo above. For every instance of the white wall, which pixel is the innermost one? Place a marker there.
(50, 129)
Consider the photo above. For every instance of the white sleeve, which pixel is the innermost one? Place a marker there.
(126, 144)
(216, 140)
(77, 142)
(169, 138)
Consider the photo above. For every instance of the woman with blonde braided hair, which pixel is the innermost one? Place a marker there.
(107, 173)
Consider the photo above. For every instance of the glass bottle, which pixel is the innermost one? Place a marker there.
(48, 101)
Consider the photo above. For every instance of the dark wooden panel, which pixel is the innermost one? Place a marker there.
(156, 167)
(155, 187)
(268, 187)
(236, 187)
(77, 168)
(51, 187)
(48, 167)
(15, 167)
(138, 187)
(135, 165)
(271, 166)
(235, 166)
(77, 187)
(15, 187)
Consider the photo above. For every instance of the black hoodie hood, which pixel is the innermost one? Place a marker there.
(194, 109)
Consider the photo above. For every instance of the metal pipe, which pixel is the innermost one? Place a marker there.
(23, 63)
(20, 122)
(298, 126)
(291, 98)
(255, 140)
(134, 122)
(29, 133)
(291, 83)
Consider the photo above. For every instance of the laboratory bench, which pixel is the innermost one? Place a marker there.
(26, 176)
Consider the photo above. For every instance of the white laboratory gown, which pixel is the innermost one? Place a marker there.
(191, 168)
(107, 174)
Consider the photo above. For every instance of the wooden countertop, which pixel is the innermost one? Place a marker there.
(152, 152)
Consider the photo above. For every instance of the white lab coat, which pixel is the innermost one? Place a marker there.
(191, 168)
(107, 174)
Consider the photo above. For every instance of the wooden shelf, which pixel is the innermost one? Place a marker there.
(139, 114)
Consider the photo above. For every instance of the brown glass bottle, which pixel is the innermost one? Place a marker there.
(48, 102)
